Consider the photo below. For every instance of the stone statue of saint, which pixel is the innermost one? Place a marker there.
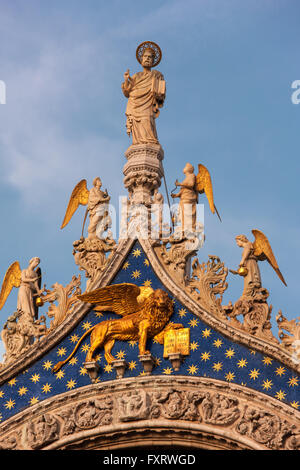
(146, 93)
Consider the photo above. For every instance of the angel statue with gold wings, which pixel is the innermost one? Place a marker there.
(97, 207)
(190, 187)
(259, 250)
(28, 281)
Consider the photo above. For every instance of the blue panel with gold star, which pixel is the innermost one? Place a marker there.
(212, 355)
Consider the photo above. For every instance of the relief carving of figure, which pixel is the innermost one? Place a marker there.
(146, 92)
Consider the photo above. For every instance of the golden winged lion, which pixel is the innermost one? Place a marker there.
(146, 313)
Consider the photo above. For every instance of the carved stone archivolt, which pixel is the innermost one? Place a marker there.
(188, 405)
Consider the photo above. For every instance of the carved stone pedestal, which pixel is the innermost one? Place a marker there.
(143, 172)
(120, 366)
(148, 363)
(176, 360)
(92, 369)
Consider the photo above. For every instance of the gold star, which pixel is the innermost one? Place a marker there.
(87, 325)
(132, 365)
(167, 371)
(267, 384)
(217, 366)
(12, 382)
(82, 371)
(280, 395)
(74, 338)
(71, 384)
(120, 354)
(193, 322)
(229, 353)
(59, 375)
(230, 376)
(85, 348)
(35, 378)
(205, 356)
(137, 253)
(1, 394)
(206, 333)
(73, 361)
(46, 388)
(194, 346)
(136, 274)
(280, 371)
(293, 381)
(47, 365)
(61, 352)
(254, 373)
(108, 368)
(126, 265)
(132, 343)
(147, 283)
(192, 369)
(22, 391)
(267, 361)
(253, 352)
(98, 314)
(146, 263)
(217, 343)
(143, 373)
(34, 401)
(10, 404)
(295, 404)
(242, 363)
(1, 417)
(182, 312)
(157, 361)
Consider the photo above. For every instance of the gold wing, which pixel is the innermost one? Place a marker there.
(11, 279)
(263, 251)
(204, 185)
(118, 298)
(80, 195)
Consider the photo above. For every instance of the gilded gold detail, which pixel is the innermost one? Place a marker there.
(145, 313)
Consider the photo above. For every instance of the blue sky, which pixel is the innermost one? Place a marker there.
(229, 66)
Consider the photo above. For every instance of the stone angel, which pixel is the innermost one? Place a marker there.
(96, 202)
(28, 281)
(190, 187)
(259, 250)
